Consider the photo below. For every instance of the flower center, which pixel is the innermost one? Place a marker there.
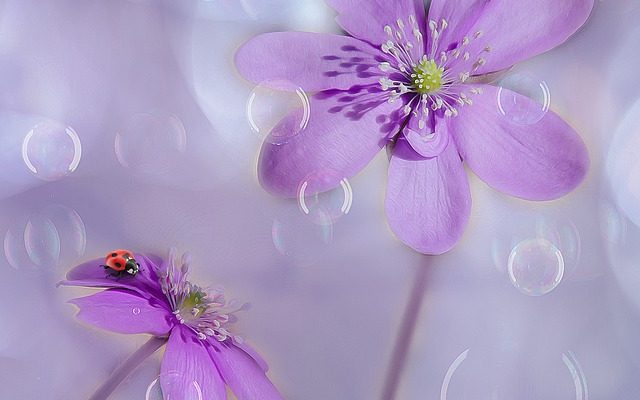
(427, 77)
(193, 305)
(206, 313)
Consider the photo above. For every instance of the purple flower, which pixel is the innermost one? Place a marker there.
(415, 82)
(161, 301)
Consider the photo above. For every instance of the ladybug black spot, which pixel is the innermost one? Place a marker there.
(114, 254)
(118, 265)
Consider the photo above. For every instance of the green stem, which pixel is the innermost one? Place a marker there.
(127, 367)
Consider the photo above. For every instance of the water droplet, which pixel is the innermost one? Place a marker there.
(325, 207)
(51, 150)
(535, 266)
(136, 311)
(151, 143)
(172, 380)
(300, 239)
(278, 104)
(517, 109)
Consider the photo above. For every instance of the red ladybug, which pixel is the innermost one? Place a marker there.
(121, 262)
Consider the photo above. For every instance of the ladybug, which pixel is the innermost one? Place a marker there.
(121, 262)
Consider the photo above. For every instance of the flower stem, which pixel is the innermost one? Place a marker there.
(127, 367)
(405, 334)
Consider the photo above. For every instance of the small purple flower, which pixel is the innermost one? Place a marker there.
(160, 301)
(415, 82)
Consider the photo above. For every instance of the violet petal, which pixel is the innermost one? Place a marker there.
(428, 200)
(541, 161)
(187, 370)
(124, 311)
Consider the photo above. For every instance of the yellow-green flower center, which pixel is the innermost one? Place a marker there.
(193, 304)
(427, 77)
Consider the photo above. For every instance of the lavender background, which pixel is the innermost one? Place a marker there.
(124, 124)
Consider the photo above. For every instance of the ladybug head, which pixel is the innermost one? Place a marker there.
(131, 267)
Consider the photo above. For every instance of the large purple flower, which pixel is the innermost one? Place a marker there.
(415, 82)
(160, 301)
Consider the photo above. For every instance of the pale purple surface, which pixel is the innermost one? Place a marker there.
(344, 139)
(324, 315)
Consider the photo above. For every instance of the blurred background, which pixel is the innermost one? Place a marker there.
(123, 123)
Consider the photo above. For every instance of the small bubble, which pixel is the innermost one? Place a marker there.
(42, 241)
(51, 236)
(523, 99)
(300, 239)
(136, 311)
(170, 381)
(557, 376)
(51, 150)
(324, 207)
(151, 143)
(281, 104)
(535, 267)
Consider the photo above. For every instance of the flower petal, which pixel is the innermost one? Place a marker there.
(93, 274)
(240, 371)
(428, 200)
(187, 370)
(123, 311)
(310, 61)
(366, 19)
(541, 161)
(460, 16)
(428, 138)
(514, 30)
(253, 353)
(345, 131)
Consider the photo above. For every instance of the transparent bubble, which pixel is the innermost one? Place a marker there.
(51, 150)
(623, 165)
(535, 266)
(521, 110)
(151, 143)
(172, 380)
(50, 237)
(488, 373)
(14, 250)
(563, 234)
(613, 225)
(300, 239)
(577, 375)
(325, 207)
(270, 102)
(42, 241)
